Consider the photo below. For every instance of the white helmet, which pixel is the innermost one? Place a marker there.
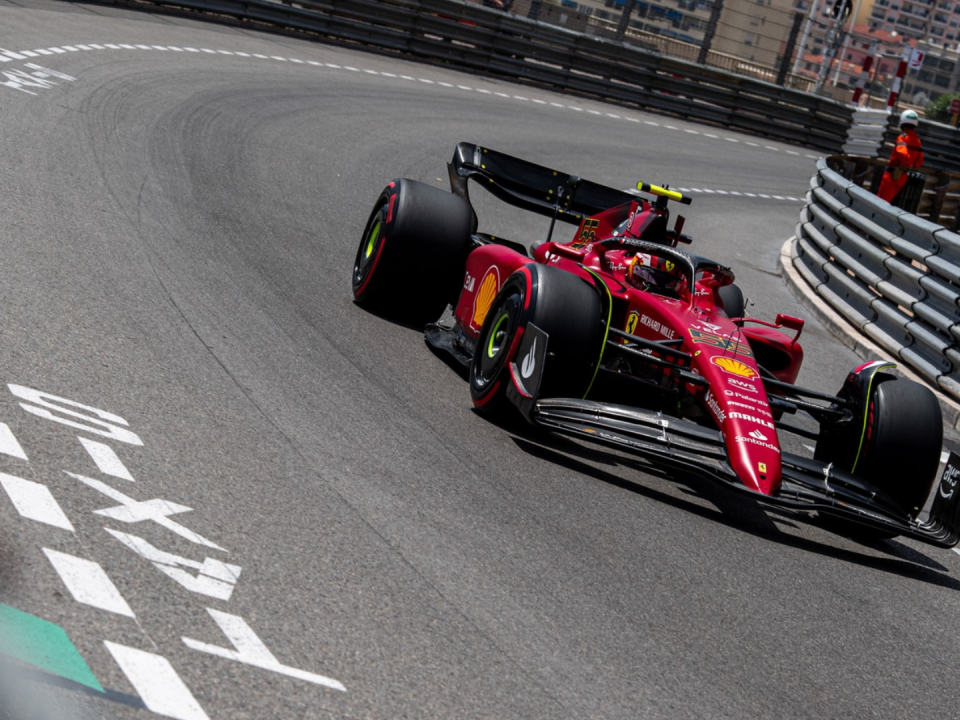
(909, 117)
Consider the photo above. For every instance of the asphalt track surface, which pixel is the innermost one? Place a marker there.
(178, 230)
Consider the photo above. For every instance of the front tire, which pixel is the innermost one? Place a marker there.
(563, 306)
(413, 252)
(901, 442)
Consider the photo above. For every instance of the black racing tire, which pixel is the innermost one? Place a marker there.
(565, 307)
(413, 252)
(731, 300)
(901, 451)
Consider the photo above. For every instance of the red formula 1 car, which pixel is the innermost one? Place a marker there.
(617, 336)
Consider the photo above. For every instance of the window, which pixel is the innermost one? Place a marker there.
(749, 38)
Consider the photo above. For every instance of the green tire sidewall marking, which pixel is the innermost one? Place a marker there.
(493, 334)
(866, 414)
(606, 330)
(372, 240)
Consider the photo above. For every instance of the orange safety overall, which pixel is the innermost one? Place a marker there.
(907, 153)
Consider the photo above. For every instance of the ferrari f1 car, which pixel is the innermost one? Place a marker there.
(618, 336)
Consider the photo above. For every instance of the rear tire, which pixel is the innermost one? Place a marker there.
(413, 252)
(563, 306)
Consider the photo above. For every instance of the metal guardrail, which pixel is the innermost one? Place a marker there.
(892, 274)
(487, 41)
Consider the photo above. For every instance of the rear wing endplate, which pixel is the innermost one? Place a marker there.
(530, 186)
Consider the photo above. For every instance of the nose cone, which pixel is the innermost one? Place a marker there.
(755, 457)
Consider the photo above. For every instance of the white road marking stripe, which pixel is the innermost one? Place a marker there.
(88, 583)
(177, 49)
(712, 137)
(485, 92)
(133, 511)
(225, 52)
(164, 48)
(734, 140)
(671, 127)
(750, 194)
(34, 501)
(27, 53)
(195, 50)
(751, 144)
(4, 58)
(83, 47)
(464, 87)
(369, 72)
(556, 104)
(424, 80)
(594, 112)
(213, 577)
(250, 650)
(58, 51)
(70, 48)
(157, 683)
(241, 54)
(106, 459)
(574, 107)
(500, 94)
(329, 65)
(146, 47)
(97, 47)
(9, 444)
(43, 52)
(771, 147)
(391, 75)
(632, 119)
(406, 77)
(309, 62)
(127, 47)
(444, 84)
(281, 59)
(692, 132)
(12, 55)
(792, 152)
(651, 122)
(300, 62)
(208, 50)
(351, 69)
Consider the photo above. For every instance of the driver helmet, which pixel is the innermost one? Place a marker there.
(909, 117)
(649, 272)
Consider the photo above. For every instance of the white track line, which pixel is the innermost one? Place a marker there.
(9, 444)
(157, 683)
(106, 459)
(88, 583)
(34, 501)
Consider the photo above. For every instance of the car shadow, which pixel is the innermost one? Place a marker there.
(731, 509)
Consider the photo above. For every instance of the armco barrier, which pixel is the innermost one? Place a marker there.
(487, 41)
(893, 275)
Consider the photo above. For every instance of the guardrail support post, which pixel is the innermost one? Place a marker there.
(710, 32)
(788, 53)
(625, 18)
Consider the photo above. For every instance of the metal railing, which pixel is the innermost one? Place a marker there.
(489, 42)
(892, 274)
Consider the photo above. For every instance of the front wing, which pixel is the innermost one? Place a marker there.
(807, 484)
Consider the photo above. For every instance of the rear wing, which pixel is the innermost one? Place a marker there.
(532, 187)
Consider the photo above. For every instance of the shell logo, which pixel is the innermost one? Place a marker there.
(735, 367)
(485, 295)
